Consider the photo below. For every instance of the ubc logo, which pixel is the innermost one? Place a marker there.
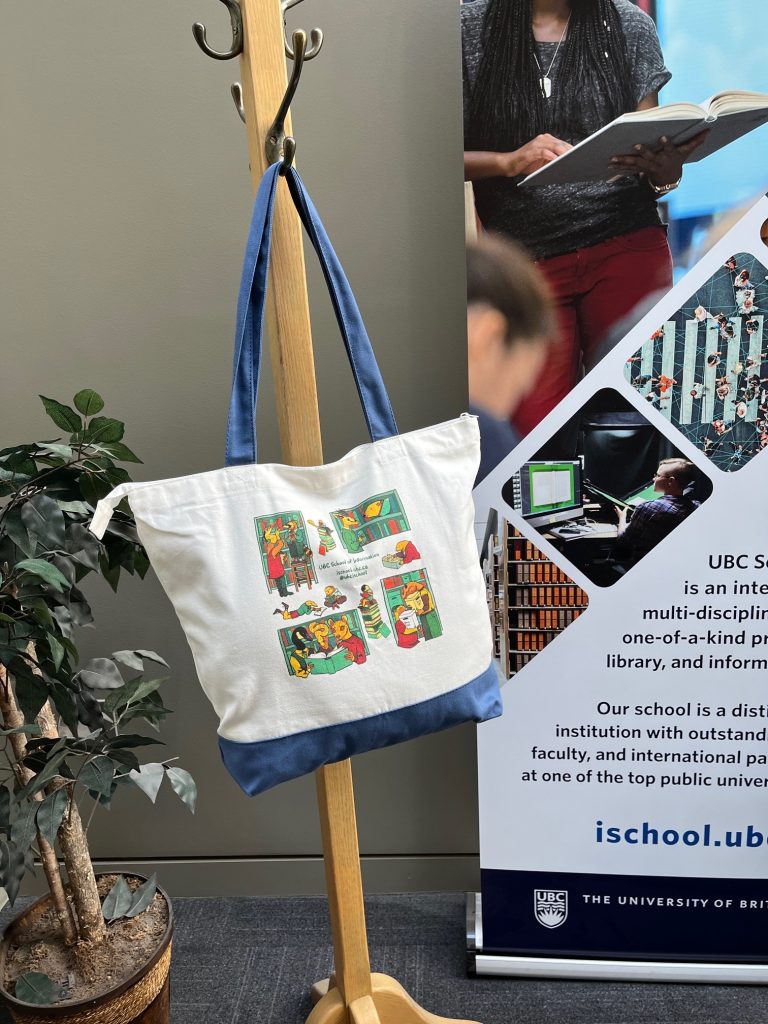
(550, 907)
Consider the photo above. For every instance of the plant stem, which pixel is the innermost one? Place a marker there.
(12, 717)
(74, 850)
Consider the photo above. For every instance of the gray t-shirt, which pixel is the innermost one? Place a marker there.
(553, 220)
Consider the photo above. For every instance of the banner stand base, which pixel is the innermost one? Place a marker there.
(480, 963)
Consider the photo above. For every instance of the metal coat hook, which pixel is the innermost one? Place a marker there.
(315, 35)
(278, 145)
(237, 95)
(236, 17)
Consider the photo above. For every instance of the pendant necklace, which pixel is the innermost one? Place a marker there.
(546, 80)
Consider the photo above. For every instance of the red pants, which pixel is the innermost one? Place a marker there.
(595, 288)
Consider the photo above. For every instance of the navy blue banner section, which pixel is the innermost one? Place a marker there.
(537, 913)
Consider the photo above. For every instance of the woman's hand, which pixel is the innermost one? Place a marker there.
(534, 154)
(482, 164)
(664, 167)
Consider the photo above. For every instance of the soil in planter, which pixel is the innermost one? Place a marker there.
(129, 944)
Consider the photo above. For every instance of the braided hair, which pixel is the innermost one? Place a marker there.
(508, 107)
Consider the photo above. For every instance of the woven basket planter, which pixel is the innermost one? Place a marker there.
(142, 999)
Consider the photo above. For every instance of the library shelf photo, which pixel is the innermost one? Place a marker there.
(607, 488)
(531, 601)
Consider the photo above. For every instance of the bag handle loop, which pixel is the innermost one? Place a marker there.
(249, 331)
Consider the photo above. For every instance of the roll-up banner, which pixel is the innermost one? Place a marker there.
(624, 792)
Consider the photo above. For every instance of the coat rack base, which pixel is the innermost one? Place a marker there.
(388, 1003)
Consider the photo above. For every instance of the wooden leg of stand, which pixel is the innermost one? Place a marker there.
(338, 825)
(354, 995)
(389, 1004)
(321, 988)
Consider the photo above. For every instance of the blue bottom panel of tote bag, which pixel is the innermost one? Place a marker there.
(258, 766)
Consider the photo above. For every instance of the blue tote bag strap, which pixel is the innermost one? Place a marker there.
(241, 425)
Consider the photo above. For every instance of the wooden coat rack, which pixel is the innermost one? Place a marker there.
(353, 995)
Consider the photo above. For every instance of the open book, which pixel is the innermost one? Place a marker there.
(728, 116)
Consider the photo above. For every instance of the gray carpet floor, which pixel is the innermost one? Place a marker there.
(252, 961)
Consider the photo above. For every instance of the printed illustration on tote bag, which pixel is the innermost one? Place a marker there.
(325, 645)
(285, 552)
(411, 606)
(374, 518)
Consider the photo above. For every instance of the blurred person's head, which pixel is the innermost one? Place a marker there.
(510, 320)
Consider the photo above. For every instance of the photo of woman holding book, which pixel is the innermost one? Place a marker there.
(539, 77)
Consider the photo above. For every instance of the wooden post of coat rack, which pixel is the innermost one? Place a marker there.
(353, 995)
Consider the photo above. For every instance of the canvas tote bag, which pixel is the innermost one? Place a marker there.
(330, 609)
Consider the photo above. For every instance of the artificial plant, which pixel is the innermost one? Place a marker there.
(68, 732)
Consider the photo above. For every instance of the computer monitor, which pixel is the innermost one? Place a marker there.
(549, 492)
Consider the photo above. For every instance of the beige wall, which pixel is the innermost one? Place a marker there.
(125, 198)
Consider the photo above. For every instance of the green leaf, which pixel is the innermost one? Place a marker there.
(117, 901)
(19, 534)
(136, 659)
(101, 674)
(64, 700)
(79, 610)
(36, 987)
(130, 659)
(24, 830)
(92, 488)
(50, 814)
(45, 571)
(104, 430)
(88, 402)
(44, 519)
(119, 528)
(149, 778)
(40, 610)
(74, 506)
(64, 451)
(146, 687)
(63, 617)
(131, 740)
(5, 809)
(134, 691)
(152, 656)
(57, 651)
(141, 563)
(142, 897)
(148, 713)
(125, 758)
(110, 574)
(12, 868)
(183, 786)
(89, 710)
(42, 779)
(32, 730)
(83, 546)
(31, 691)
(97, 775)
(62, 415)
(118, 450)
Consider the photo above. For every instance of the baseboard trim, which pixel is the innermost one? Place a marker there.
(292, 876)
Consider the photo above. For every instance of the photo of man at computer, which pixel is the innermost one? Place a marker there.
(607, 488)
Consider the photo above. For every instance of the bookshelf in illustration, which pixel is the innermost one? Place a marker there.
(323, 646)
(531, 601)
(374, 518)
(706, 369)
(286, 555)
(411, 606)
